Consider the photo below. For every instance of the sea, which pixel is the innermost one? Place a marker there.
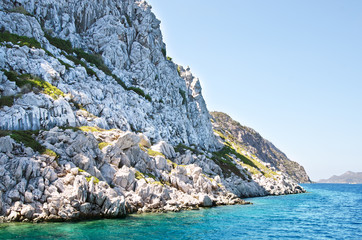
(326, 211)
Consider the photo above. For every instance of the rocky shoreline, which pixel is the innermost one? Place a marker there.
(83, 181)
(96, 121)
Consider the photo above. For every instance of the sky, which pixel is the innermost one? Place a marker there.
(291, 70)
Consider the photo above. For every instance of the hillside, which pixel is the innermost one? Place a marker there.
(256, 147)
(347, 177)
(98, 122)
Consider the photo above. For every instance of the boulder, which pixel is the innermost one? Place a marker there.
(14, 195)
(124, 177)
(27, 211)
(28, 196)
(85, 208)
(6, 144)
(160, 162)
(127, 140)
(164, 148)
(205, 200)
(80, 187)
(144, 141)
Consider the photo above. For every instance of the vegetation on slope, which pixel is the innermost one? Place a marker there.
(76, 55)
(28, 83)
(19, 40)
(28, 138)
(232, 153)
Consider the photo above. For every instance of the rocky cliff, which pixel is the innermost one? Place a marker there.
(120, 78)
(96, 120)
(256, 147)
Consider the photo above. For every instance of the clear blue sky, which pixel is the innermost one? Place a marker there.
(292, 70)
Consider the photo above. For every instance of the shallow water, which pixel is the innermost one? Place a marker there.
(327, 211)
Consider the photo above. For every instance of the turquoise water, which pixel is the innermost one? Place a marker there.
(327, 211)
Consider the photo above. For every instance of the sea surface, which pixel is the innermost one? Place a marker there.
(327, 211)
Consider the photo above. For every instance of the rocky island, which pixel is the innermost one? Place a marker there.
(347, 177)
(98, 122)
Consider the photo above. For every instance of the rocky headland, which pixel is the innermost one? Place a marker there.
(347, 177)
(98, 122)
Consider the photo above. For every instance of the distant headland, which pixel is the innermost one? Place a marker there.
(347, 177)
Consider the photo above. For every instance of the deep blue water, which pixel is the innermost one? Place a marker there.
(327, 211)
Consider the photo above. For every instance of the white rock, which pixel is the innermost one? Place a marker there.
(6, 144)
(205, 201)
(164, 148)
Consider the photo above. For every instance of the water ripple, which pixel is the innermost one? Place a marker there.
(327, 211)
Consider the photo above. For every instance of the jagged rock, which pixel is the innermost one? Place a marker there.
(205, 201)
(28, 197)
(164, 148)
(27, 211)
(144, 141)
(255, 144)
(161, 162)
(101, 167)
(85, 208)
(80, 187)
(6, 144)
(127, 140)
(124, 177)
(14, 195)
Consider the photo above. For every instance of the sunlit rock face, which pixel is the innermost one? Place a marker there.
(96, 120)
(126, 36)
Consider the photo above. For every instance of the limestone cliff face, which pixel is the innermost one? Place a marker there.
(126, 36)
(96, 121)
(254, 144)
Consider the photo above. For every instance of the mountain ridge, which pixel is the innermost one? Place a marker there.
(254, 143)
(347, 177)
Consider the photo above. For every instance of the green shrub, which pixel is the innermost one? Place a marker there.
(83, 64)
(95, 181)
(163, 50)
(154, 153)
(4, 133)
(148, 97)
(137, 90)
(183, 95)
(65, 45)
(157, 183)
(26, 137)
(19, 40)
(7, 101)
(120, 82)
(90, 58)
(150, 175)
(140, 92)
(128, 20)
(11, 75)
(174, 165)
(95, 59)
(67, 66)
(169, 58)
(179, 70)
(181, 148)
(103, 145)
(90, 129)
(34, 83)
(51, 153)
(20, 9)
(139, 175)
